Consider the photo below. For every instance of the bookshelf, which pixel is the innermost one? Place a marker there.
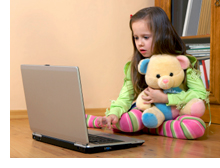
(213, 38)
(196, 39)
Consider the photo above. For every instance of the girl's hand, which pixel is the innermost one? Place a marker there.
(154, 96)
(108, 121)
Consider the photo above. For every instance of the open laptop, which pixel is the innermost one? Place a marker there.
(56, 111)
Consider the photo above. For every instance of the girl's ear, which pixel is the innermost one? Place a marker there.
(184, 61)
(142, 66)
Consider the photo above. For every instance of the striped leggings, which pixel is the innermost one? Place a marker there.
(182, 127)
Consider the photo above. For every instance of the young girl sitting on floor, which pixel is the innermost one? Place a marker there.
(152, 33)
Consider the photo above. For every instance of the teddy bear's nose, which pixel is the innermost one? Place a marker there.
(165, 81)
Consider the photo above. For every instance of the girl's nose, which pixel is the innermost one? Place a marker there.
(140, 42)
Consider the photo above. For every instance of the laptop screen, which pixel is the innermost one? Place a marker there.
(54, 101)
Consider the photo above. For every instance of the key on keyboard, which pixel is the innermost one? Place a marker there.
(101, 140)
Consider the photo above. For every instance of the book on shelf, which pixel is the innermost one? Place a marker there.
(203, 58)
(198, 46)
(204, 67)
(191, 22)
(205, 74)
(205, 51)
(201, 55)
(178, 13)
(207, 64)
(202, 74)
(199, 50)
(191, 17)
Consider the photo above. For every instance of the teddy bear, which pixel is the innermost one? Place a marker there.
(165, 72)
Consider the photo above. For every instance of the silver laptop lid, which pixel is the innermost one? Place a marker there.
(54, 102)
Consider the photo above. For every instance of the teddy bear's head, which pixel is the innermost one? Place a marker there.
(164, 71)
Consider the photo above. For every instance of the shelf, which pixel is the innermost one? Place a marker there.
(196, 39)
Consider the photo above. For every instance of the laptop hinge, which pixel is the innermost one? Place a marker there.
(80, 145)
(36, 134)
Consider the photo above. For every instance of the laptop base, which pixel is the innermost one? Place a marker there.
(73, 146)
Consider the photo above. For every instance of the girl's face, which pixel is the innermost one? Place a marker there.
(142, 37)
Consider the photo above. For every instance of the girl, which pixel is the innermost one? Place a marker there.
(152, 33)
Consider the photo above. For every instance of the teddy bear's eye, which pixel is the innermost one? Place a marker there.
(158, 75)
(171, 74)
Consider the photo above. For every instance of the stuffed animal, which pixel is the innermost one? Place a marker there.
(165, 72)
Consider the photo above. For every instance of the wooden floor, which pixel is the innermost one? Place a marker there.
(23, 146)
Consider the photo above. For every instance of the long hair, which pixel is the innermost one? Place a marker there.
(165, 41)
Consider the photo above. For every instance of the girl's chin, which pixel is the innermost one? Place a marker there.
(146, 55)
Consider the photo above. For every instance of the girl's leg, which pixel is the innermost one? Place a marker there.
(130, 121)
(183, 127)
(91, 121)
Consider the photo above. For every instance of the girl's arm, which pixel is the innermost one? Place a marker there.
(154, 96)
(126, 96)
(196, 90)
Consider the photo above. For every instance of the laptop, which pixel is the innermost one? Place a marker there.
(56, 111)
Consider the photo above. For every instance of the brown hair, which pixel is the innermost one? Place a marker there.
(165, 41)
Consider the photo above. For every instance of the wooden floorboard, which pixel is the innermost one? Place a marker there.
(23, 146)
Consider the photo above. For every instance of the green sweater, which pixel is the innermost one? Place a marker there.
(126, 96)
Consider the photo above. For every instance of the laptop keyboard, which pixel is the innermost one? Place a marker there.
(101, 140)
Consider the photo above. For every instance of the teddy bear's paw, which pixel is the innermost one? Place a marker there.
(153, 117)
(149, 120)
(194, 107)
(198, 109)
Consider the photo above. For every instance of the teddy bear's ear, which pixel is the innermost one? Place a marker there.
(184, 61)
(142, 66)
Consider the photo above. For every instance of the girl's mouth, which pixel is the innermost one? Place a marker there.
(142, 51)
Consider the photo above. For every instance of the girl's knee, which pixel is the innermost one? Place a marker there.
(131, 121)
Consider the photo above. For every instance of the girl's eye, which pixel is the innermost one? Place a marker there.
(136, 38)
(146, 37)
